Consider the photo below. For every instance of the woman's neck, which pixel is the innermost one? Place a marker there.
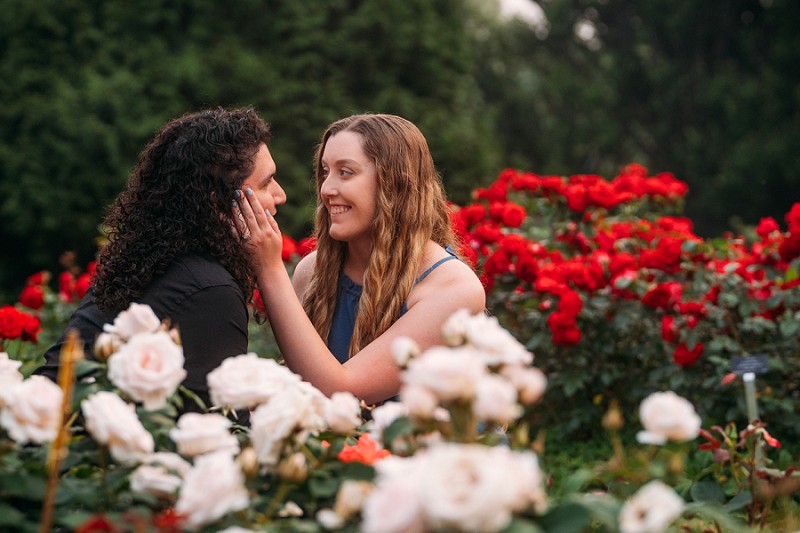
(357, 260)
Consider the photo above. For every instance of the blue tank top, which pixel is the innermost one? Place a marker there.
(344, 315)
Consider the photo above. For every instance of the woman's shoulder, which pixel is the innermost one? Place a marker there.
(448, 275)
(303, 272)
(200, 270)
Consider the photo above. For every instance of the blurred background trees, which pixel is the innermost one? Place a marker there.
(707, 89)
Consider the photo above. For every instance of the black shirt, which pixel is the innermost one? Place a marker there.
(199, 297)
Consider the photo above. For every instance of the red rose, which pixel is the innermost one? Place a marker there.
(513, 215)
(32, 297)
(472, 214)
(66, 286)
(668, 332)
(525, 182)
(789, 248)
(96, 524)
(40, 278)
(289, 248)
(793, 218)
(685, 357)
(306, 246)
(766, 226)
(663, 295)
(82, 284)
(527, 268)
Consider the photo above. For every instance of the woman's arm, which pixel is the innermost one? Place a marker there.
(371, 374)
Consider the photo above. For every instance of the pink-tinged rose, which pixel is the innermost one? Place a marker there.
(449, 373)
(496, 400)
(138, 318)
(667, 417)
(290, 417)
(161, 475)
(419, 402)
(248, 380)
(343, 412)
(32, 410)
(9, 375)
(113, 422)
(530, 382)
(652, 508)
(197, 434)
(212, 488)
(149, 368)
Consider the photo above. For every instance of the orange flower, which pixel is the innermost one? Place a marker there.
(366, 451)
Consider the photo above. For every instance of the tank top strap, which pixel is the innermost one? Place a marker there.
(433, 267)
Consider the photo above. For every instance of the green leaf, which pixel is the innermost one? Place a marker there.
(739, 501)
(323, 486)
(567, 518)
(789, 328)
(358, 471)
(520, 525)
(399, 428)
(10, 516)
(707, 491)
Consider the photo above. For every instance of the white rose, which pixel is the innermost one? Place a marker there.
(450, 373)
(529, 381)
(290, 509)
(466, 488)
(651, 510)
(485, 333)
(527, 485)
(113, 422)
(161, 475)
(403, 350)
(149, 368)
(420, 402)
(383, 416)
(329, 519)
(454, 329)
(32, 410)
(212, 488)
(9, 375)
(138, 318)
(106, 345)
(666, 416)
(196, 434)
(343, 412)
(248, 380)
(351, 496)
(293, 415)
(496, 400)
(394, 505)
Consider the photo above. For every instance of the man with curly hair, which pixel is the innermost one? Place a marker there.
(173, 244)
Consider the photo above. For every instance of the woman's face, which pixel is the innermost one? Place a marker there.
(349, 189)
(263, 183)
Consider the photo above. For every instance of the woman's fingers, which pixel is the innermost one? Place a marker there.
(249, 205)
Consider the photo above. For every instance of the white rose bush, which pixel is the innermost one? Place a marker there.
(120, 447)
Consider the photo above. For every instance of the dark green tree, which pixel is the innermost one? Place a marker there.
(85, 83)
(706, 89)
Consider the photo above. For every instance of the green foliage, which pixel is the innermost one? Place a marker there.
(655, 83)
(86, 84)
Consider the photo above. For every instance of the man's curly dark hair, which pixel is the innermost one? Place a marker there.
(178, 201)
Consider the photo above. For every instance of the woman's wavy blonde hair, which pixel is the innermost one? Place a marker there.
(412, 209)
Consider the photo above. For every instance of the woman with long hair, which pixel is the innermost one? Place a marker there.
(384, 266)
(173, 244)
